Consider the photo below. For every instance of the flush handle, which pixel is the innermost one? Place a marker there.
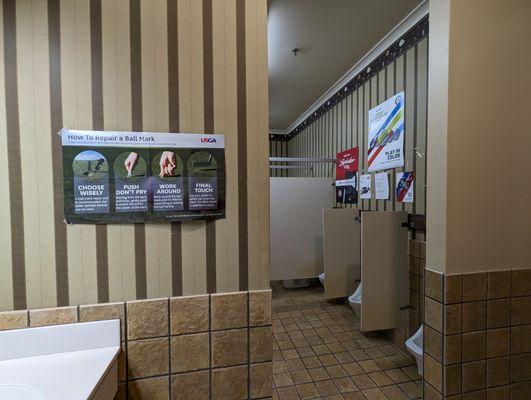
(408, 307)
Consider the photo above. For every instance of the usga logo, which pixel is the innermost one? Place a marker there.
(208, 140)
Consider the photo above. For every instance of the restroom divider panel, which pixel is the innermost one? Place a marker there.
(296, 245)
(384, 270)
(341, 251)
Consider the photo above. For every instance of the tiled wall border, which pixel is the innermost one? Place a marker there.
(216, 346)
(477, 336)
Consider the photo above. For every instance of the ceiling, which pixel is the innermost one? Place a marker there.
(332, 36)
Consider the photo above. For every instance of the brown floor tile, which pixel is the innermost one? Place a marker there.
(295, 364)
(380, 379)
(327, 388)
(320, 353)
(301, 376)
(305, 352)
(318, 374)
(374, 394)
(311, 362)
(412, 389)
(336, 371)
(394, 392)
(282, 379)
(363, 382)
(288, 393)
(397, 375)
(308, 391)
(346, 385)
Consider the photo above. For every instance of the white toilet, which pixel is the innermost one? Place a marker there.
(414, 346)
(322, 278)
(355, 301)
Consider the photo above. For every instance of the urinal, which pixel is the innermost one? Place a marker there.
(322, 278)
(415, 347)
(355, 301)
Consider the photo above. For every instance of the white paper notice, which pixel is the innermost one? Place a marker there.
(381, 183)
(365, 186)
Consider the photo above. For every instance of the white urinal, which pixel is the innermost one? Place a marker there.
(355, 301)
(322, 278)
(415, 347)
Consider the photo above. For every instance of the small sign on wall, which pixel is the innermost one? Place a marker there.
(404, 187)
(346, 170)
(381, 183)
(127, 177)
(365, 186)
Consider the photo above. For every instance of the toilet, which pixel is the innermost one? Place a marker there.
(322, 278)
(355, 301)
(414, 346)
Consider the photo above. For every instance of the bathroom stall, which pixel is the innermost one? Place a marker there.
(367, 248)
(296, 230)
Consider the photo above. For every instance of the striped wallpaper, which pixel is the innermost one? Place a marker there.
(278, 148)
(132, 65)
(345, 126)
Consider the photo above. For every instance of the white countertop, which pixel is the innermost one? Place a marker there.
(60, 362)
(65, 376)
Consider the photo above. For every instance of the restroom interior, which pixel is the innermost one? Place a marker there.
(288, 293)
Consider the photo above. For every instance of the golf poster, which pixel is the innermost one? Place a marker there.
(386, 134)
(346, 169)
(404, 187)
(128, 177)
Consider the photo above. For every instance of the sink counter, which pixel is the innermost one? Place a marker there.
(74, 375)
(68, 362)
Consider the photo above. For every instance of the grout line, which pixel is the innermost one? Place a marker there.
(169, 350)
(126, 351)
(249, 347)
(210, 347)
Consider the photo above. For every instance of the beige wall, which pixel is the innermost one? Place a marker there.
(437, 128)
(488, 170)
(154, 65)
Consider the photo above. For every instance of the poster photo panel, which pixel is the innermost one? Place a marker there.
(128, 177)
(346, 176)
(385, 142)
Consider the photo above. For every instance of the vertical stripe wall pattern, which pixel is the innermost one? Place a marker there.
(131, 65)
(345, 126)
(278, 148)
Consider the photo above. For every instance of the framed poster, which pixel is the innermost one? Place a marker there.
(386, 134)
(346, 169)
(128, 177)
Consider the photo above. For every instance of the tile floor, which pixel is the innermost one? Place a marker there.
(319, 353)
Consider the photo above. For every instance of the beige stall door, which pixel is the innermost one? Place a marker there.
(296, 231)
(384, 271)
(342, 257)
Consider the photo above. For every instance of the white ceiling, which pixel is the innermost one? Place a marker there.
(332, 36)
